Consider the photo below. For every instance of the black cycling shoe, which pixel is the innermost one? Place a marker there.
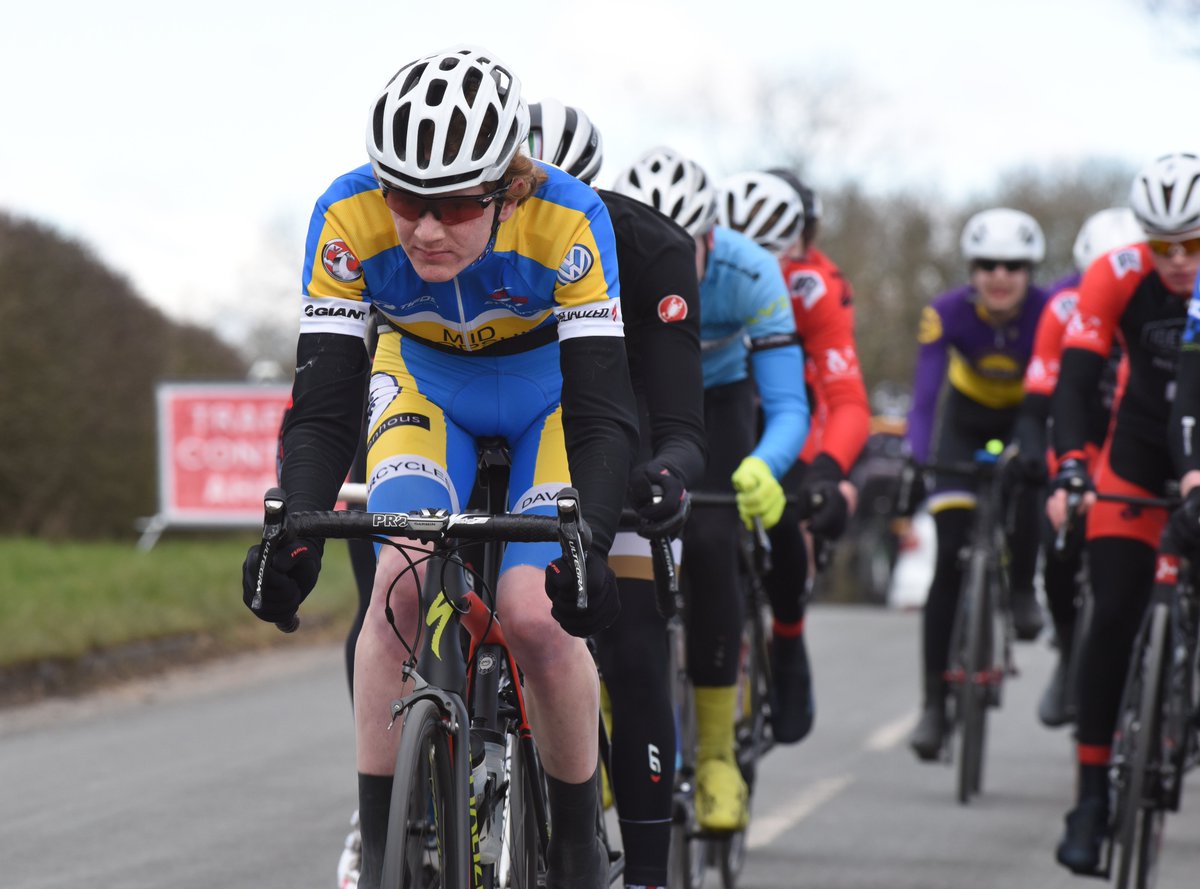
(929, 736)
(792, 709)
(1083, 840)
(1027, 615)
(577, 867)
(1054, 708)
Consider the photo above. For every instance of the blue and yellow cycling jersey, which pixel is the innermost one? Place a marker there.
(549, 264)
(746, 318)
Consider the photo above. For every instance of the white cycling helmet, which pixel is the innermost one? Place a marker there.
(1104, 231)
(1166, 196)
(564, 136)
(762, 206)
(673, 185)
(447, 121)
(1002, 233)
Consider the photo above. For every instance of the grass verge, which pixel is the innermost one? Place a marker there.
(65, 602)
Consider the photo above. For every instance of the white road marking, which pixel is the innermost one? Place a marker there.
(766, 828)
(888, 736)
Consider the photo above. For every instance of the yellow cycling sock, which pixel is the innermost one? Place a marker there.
(606, 715)
(714, 722)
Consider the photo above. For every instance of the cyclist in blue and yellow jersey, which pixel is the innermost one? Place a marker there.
(746, 325)
(660, 304)
(978, 338)
(497, 279)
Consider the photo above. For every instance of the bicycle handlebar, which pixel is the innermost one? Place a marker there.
(568, 527)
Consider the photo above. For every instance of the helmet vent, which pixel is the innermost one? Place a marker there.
(470, 86)
(413, 78)
(399, 128)
(488, 130)
(435, 93)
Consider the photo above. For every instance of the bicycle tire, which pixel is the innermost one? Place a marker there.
(688, 852)
(688, 856)
(1132, 838)
(731, 855)
(972, 693)
(521, 864)
(428, 842)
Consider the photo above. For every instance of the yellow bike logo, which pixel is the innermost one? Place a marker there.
(437, 617)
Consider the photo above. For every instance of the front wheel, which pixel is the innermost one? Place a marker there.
(973, 688)
(428, 834)
(1138, 821)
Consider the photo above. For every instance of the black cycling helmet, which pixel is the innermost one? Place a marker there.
(808, 197)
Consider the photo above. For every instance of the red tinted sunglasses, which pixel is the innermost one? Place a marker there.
(450, 210)
(1189, 246)
(990, 265)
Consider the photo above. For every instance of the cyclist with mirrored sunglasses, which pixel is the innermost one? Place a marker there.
(782, 215)
(496, 277)
(1137, 295)
(975, 341)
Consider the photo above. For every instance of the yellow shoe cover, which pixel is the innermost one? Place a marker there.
(722, 799)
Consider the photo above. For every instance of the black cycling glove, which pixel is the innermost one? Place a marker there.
(1072, 477)
(665, 517)
(288, 577)
(603, 600)
(820, 490)
(1185, 523)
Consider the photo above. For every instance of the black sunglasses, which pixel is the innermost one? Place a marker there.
(1011, 265)
(450, 210)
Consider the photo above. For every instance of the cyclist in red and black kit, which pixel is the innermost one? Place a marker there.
(1138, 295)
(660, 302)
(1100, 233)
(782, 214)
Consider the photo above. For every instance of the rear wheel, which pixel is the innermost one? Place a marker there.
(426, 842)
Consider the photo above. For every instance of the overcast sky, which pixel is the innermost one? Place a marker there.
(186, 144)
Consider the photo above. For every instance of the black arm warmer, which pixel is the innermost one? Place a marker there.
(600, 428)
(322, 430)
(1078, 379)
(1030, 429)
(1182, 434)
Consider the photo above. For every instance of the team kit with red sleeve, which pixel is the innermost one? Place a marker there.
(1123, 299)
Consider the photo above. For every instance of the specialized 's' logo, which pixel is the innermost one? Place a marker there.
(577, 263)
(438, 616)
(339, 262)
(672, 308)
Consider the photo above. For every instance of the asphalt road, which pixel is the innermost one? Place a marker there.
(241, 774)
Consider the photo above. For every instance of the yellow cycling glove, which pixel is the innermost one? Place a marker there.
(758, 494)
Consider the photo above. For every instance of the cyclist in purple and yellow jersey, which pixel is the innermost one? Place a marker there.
(977, 339)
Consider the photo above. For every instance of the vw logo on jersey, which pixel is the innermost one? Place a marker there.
(672, 308)
(339, 262)
(577, 263)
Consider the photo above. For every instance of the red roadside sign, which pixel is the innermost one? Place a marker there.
(216, 451)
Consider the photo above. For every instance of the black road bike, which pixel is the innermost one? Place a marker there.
(469, 808)
(1156, 740)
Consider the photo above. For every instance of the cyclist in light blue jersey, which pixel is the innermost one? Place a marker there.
(746, 326)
